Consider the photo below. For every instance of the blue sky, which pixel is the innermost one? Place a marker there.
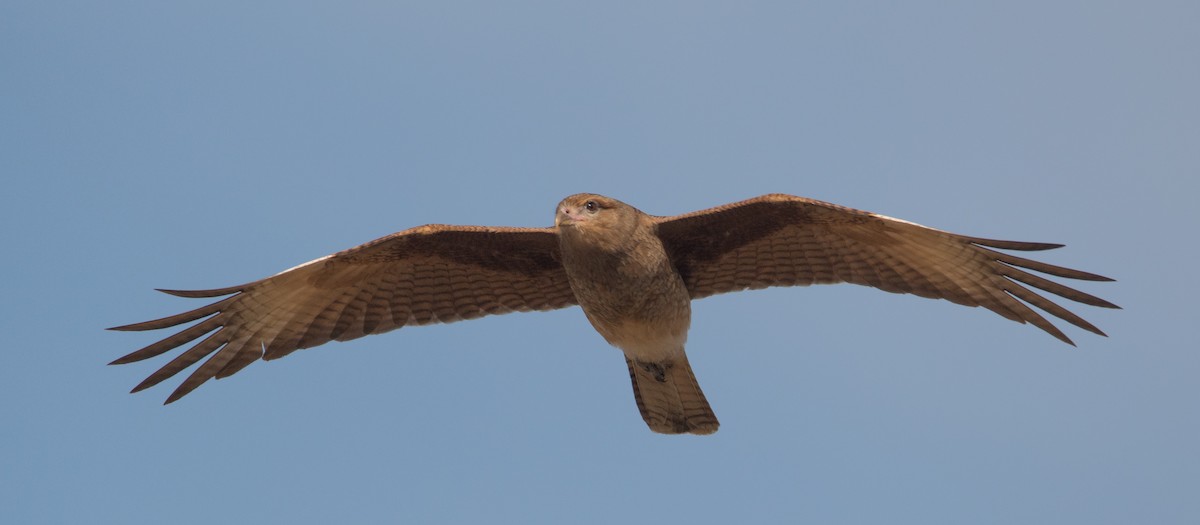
(205, 144)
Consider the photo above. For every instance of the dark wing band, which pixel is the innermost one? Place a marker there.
(430, 274)
(782, 240)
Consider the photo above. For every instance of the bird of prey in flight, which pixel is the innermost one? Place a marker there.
(633, 274)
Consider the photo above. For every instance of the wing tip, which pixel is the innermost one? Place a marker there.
(1015, 245)
(146, 383)
(1089, 276)
(191, 294)
(1093, 329)
(175, 396)
(149, 383)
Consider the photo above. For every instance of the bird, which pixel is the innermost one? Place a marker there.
(633, 274)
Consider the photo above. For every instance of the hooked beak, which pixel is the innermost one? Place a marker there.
(568, 215)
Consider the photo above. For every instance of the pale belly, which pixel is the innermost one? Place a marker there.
(649, 328)
(653, 342)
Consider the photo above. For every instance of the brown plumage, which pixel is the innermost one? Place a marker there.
(634, 275)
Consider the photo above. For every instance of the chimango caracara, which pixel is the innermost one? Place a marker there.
(634, 275)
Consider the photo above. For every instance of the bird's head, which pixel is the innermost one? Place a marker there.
(582, 209)
(596, 217)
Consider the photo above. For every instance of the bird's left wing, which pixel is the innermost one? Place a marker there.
(783, 240)
(428, 274)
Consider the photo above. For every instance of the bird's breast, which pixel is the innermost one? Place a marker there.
(645, 311)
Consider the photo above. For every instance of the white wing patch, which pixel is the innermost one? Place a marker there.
(298, 266)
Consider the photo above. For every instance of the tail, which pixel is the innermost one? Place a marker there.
(669, 397)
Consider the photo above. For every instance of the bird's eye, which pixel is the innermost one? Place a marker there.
(591, 206)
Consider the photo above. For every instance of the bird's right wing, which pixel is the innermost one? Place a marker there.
(783, 240)
(429, 274)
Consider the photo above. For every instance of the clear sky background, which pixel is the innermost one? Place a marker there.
(206, 144)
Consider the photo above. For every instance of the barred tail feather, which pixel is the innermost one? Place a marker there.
(669, 397)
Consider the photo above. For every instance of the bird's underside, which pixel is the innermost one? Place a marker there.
(633, 275)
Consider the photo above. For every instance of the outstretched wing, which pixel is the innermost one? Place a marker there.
(783, 240)
(429, 274)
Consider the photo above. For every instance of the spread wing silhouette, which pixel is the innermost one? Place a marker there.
(783, 240)
(424, 275)
(441, 274)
